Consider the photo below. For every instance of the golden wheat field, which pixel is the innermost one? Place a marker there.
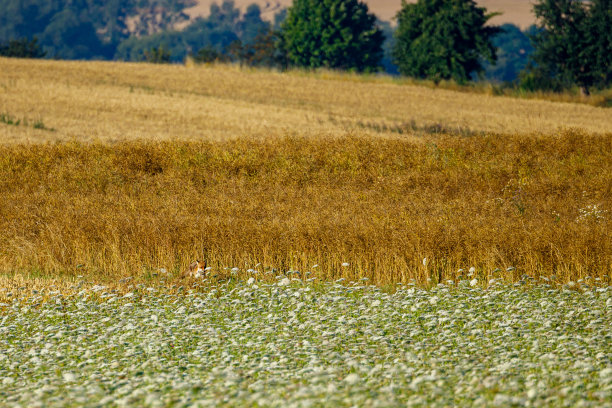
(110, 170)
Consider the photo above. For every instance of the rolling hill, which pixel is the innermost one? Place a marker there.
(518, 12)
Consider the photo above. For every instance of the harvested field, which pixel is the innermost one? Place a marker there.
(108, 102)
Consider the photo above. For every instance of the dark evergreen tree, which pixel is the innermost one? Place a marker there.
(443, 39)
(573, 46)
(251, 25)
(332, 33)
(23, 48)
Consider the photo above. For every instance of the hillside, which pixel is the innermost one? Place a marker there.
(115, 101)
(518, 12)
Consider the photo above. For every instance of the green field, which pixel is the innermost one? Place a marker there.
(294, 344)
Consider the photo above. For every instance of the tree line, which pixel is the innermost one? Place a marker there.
(571, 45)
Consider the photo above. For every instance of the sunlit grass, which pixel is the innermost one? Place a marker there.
(104, 101)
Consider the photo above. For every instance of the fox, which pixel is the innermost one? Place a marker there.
(196, 270)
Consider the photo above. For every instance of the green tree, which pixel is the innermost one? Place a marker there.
(265, 50)
(332, 33)
(443, 39)
(157, 55)
(71, 35)
(207, 55)
(573, 45)
(251, 25)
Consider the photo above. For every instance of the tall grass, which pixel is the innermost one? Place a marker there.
(380, 205)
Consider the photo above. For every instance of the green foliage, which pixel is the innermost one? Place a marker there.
(157, 55)
(196, 36)
(23, 48)
(443, 39)
(72, 35)
(11, 120)
(207, 55)
(333, 34)
(573, 46)
(266, 50)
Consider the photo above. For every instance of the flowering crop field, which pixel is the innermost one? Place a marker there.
(295, 343)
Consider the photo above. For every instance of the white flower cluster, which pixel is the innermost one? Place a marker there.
(591, 212)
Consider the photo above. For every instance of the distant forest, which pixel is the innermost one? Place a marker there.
(138, 30)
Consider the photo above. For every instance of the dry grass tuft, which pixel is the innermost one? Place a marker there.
(536, 202)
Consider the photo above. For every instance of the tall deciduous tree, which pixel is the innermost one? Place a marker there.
(574, 43)
(332, 33)
(443, 39)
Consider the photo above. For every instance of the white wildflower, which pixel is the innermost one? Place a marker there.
(352, 379)
(69, 377)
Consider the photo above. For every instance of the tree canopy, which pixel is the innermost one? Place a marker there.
(23, 48)
(573, 44)
(443, 39)
(332, 33)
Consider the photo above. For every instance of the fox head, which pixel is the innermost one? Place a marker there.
(197, 269)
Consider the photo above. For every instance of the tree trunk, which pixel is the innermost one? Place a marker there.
(584, 90)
